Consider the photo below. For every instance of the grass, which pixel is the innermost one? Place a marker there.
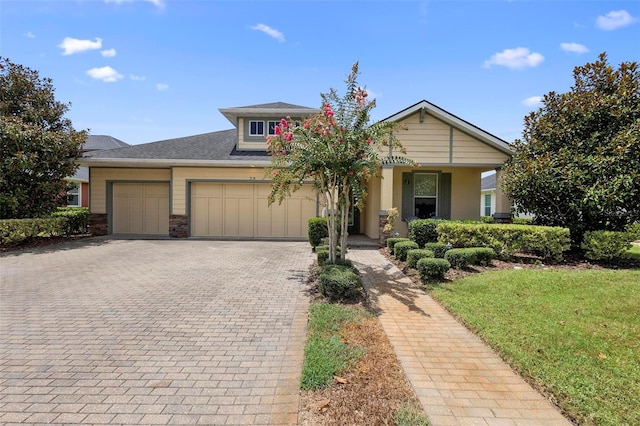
(325, 353)
(410, 415)
(634, 252)
(573, 334)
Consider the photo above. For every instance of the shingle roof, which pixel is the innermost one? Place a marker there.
(488, 182)
(96, 142)
(274, 105)
(273, 109)
(208, 146)
(81, 174)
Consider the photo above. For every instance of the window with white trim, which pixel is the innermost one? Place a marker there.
(256, 128)
(271, 127)
(425, 195)
(487, 204)
(73, 194)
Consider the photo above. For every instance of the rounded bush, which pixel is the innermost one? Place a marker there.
(322, 253)
(461, 257)
(484, 255)
(438, 249)
(606, 245)
(392, 242)
(416, 254)
(317, 230)
(401, 248)
(339, 282)
(431, 268)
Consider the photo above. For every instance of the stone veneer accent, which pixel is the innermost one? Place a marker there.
(382, 221)
(178, 226)
(98, 224)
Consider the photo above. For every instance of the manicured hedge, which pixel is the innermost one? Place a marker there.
(432, 268)
(317, 230)
(401, 248)
(322, 253)
(77, 219)
(460, 258)
(392, 242)
(438, 249)
(606, 245)
(339, 282)
(507, 239)
(14, 231)
(416, 254)
(423, 231)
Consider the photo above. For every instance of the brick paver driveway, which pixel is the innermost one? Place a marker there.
(153, 332)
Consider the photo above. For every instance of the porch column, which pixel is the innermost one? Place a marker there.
(386, 201)
(503, 204)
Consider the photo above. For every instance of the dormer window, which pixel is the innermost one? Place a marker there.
(256, 128)
(271, 127)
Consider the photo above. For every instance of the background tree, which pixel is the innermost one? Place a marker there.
(338, 149)
(578, 164)
(38, 145)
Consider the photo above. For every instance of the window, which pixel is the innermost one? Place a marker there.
(425, 195)
(256, 128)
(73, 194)
(271, 127)
(487, 204)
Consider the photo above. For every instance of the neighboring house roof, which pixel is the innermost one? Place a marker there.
(207, 148)
(455, 121)
(82, 174)
(488, 182)
(96, 142)
(281, 109)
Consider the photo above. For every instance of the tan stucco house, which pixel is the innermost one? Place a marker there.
(213, 184)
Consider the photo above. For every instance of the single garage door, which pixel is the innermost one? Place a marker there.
(241, 210)
(141, 208)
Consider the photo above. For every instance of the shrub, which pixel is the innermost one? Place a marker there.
(432, 268)
(484, 255)
(77, 219)
(507, 239)
(606, 245)
(416, 254)
(461, 257)
(401, 248)
(486, 219)
(317, 230)
(438, 249)
(14, 231)
(634, 230)
(522, 221)
(339, 282)
(392, 242)
(322, 253)
(423, 231)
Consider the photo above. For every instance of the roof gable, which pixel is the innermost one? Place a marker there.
(280, 109)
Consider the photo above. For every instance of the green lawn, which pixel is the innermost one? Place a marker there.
(574, 333)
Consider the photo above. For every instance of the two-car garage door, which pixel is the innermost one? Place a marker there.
(241, 210)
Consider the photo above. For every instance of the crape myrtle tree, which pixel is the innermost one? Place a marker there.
(578, 162)
(337, 149)
(38, 145)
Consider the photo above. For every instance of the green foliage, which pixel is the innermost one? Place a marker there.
(606, 245)
(337, 149)
(438, 249)
(401, 248)
(507, 239)
(411, 415)
(460, 258)
(431, 268)
(486, 219)
(484, 255)
(317, 230)
(339, 282)
(38, 145)
(77, 219)
(416, 254)
(325, 354)
(322, 253)
(423, 231)
(393, 240)
(522, 221)
(634, 231)
(578, 164)
(15, 231)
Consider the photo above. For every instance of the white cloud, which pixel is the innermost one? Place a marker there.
(109, 53)
(271, 32)
(533, 101)
(73, 45)
(614, 20)
(158, 3)
(520, 57)
(106, 74)
(30, 35)
(162, 86)
(137, 77)
(574, 47)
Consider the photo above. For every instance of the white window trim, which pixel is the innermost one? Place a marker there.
(79, 187)
(435, 197)
(256, 134)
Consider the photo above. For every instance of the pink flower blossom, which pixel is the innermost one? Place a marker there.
(284, 123)
(368, 141)
(278, 131)
(350, 172)
(306, 124)
(288, 136)
(284, 152)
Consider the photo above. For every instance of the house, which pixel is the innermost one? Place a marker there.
(78, 184)
(488, 195)
(214, 185)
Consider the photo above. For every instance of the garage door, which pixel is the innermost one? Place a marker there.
(141, 208)
(241, 210)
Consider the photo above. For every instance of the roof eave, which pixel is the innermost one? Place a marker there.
(232, 114)
(165, 163)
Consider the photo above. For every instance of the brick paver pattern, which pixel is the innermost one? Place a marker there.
(105, 331)
(457, 378)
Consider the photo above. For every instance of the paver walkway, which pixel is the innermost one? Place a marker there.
(107, 331)
(458, 379)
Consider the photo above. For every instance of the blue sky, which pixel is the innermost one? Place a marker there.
(147, 70)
